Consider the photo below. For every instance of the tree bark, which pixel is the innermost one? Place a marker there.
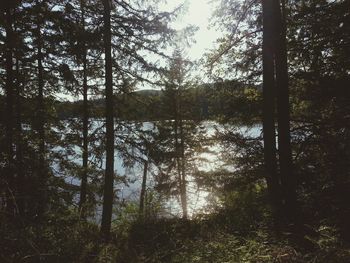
(84, 176)
(21, 179)
(270, 161)
(180, 156)
(183, 171)
(9, 168)
(109, 173)
(283, 113)
(143, 189)
(41, 119)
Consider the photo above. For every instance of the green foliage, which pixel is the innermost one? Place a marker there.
(228, 101)
(126, 216)
(231, 248)
(237, 225)
(230, 236)
(107, 254)
(60, 237)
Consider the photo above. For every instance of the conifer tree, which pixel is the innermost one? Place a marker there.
(8, 175)
(178, 133)
(269, 91)
(109, 175)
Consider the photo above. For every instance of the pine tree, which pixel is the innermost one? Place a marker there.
(8, 183)
(288, 181)
(269, 101)
(136, 28)
(177, 133)
(109, 176)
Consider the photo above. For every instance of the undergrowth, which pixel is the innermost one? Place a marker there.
(226, 236)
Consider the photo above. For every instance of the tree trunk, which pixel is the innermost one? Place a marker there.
(143, 189)
(41, 119)
(283, 113)
(179, 151)
(84, 176)
(270, 161)
(183, 172)
(9, 167)
(109, 173)
(21, 180)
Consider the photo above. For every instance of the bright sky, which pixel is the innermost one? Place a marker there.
(198, 14)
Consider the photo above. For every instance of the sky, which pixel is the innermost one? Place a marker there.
(198, 14)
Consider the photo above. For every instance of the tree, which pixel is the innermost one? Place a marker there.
(109, 175)
(136, 28)
(40, 118)
(84, 176)
(318, 62)
(178, 133)
(279, 176)
(8, 179)
(270, 160)
(288, 181)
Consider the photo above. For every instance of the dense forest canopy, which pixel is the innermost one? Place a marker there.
(116, 146)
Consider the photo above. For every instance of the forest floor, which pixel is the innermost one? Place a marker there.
(215, 239)
(227, 236)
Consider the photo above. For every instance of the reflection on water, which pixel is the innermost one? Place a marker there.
(130, 191)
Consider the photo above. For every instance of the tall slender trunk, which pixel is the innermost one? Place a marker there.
(21, 180)
(270, 161)
(143, 189)
(179, 154)
(176, 146)
(84, 176)
(41, 119)
(183, 189)
(283, 113)
(9, 168)
(109, 173)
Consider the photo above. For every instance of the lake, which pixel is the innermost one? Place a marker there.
(132, 172)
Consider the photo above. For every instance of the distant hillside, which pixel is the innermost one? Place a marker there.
(148, 92)
(221, 100)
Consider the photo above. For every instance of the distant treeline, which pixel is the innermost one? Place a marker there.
(223, 101)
